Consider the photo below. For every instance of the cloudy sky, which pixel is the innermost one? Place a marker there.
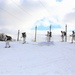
(26, 14)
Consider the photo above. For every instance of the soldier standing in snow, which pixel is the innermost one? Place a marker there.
(63, 35)
(73, 36)
(24, 37)
(48, 36)
(7, 39)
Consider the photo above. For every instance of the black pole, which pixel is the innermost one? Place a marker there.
(18, 35)
(66, 33)
(35, 32)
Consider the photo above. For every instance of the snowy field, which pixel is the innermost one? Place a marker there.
(32, 58)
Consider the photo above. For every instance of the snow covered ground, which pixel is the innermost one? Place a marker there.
(34, 59)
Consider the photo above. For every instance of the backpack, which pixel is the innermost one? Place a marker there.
(50, 34)
(64, 33)
(23, 34)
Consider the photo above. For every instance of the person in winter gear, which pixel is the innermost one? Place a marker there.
(24, 37)
(7, 39)
(49, 35)
(73, 36)
(63, 35)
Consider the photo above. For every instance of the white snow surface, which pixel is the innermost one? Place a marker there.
(34, 59)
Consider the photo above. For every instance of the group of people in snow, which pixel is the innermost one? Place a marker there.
(63, 36)
(7, 38)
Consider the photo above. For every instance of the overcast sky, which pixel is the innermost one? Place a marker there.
(26, 14)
